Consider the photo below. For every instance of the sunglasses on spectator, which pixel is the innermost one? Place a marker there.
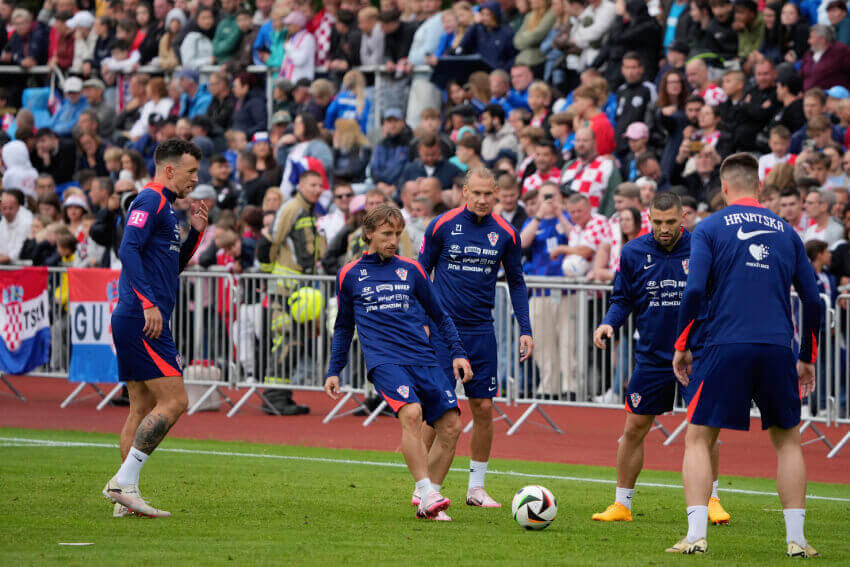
(344, 196)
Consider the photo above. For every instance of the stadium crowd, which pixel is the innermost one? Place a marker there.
(583, 108)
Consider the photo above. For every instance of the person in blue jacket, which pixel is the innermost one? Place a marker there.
(68, 113)
(152, 256)
(384, 295)
(490, 38)
(744, 260)
(393, 152)
(464, 248)
(351, 102)
(196, 98)
(649, 285)
(249, 113)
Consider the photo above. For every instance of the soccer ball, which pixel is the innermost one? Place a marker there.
(575, 266)
(534, 507)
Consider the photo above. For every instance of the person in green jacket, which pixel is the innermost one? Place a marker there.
(227, 34)
(535, 27)
(749, 25)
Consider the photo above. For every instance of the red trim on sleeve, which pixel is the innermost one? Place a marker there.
(449, 215)
(814, 348)
(682, 341)
(146, 303)
(415, 263)
(506, 226)
(345, 269)
(693, 405)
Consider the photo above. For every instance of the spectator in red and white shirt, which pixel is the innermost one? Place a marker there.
(697, 73)
(589, 173)
(320, 24)
(791, 210)
(545, 158)
(779, 142)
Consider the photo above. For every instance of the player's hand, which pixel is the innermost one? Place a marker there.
(199, 216)
(806, 372)
(153, 322)
(601, 335)
(332, 387)
(526, 347)
(682, 366)
(463, 371)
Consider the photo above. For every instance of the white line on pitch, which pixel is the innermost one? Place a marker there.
(27, 442)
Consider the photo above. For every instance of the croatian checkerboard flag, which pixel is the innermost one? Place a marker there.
(92, 296)
(24, 320)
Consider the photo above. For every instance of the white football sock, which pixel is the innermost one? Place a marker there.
(477, 470)
(436, 487)
(424, 488)
(624, 496)
(697, 523)
(794, 520)
(714, 490)
(132, 466)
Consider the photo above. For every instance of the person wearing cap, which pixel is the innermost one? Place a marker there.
(66, 116)
(836, 12)
(677, 56)
(299, 60)
(834, 96)
(204, 193)
(637, 135)
(280, 123)
(196, 98)
(827, 63)
(393, 151)
(220, 110)
(268, 45)
(93, 92)
(227, 33)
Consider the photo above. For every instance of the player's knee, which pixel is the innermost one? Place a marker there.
(178, 405)
(410, 417)
(482, 410)
(634, 432)
(452, 425)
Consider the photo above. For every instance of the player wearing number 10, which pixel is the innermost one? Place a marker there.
(152, 258)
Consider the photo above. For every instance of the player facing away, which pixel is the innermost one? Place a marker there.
(744, 260)
(464, 248)
(650, 282)
(384, 295)
(152, 258)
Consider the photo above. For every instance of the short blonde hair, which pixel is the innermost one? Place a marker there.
(541, 88)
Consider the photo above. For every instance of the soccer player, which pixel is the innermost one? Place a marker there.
(744, 260)
(152, 258)
(384, 295)
(464, 248)
(652, 276)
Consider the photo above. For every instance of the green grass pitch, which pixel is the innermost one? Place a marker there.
(242, 504)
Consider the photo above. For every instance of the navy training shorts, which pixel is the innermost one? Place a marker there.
(140, 357)
(405, 384)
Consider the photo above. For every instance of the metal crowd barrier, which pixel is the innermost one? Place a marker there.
(254, 333)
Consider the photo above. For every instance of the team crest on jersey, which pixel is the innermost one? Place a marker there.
(635, 399)
(493, 238)
(685, 265)
(402, 274)
(403, 391)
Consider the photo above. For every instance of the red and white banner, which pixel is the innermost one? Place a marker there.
(24, 320)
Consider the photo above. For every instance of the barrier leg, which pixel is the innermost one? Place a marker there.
(839, 446)
(202, 399)
(676, 433)
(335, 412)
(658, 426)
(374, 415)
(535, 407)
(77, 391)
(15, 393)
(235, 409)
(549, 421)
(112, 393)
(820, 436)
(266, 402)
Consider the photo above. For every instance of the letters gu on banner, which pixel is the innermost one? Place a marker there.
(92, 296)
(24, 320)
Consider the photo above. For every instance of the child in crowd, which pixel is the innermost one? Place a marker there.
(539, 97)
(779, 141)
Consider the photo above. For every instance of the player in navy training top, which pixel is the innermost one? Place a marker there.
(744, 260)
(464, 248)
(152, 258)
(384, 296)
(652, 276)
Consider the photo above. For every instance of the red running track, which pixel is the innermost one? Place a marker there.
(590, 435)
